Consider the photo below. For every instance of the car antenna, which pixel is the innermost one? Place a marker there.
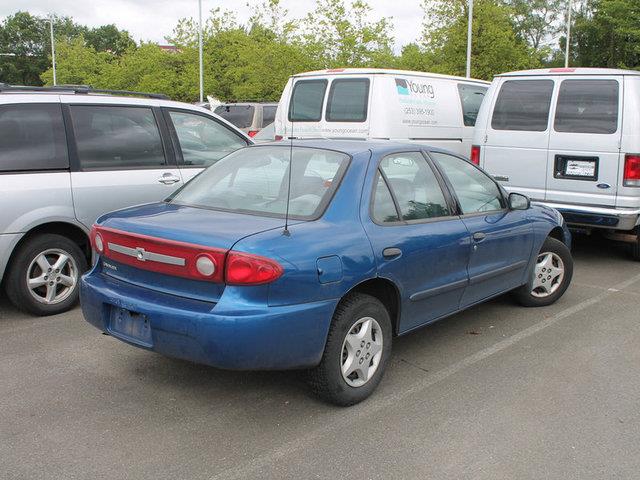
(286, 215)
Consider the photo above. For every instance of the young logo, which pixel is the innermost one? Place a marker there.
(402, 87)
(407, 87)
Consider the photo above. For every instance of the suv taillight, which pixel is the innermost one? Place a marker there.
(475, 155)
(253, 133)
(631, 170)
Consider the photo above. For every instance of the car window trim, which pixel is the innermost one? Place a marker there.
(401, 222)
(74, 157)
(332, 92)
(325, 82)
(175, 141)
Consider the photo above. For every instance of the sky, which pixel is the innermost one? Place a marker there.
(155, 19)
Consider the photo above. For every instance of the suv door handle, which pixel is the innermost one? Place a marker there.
(391, 252)
(169, 179)
(479, 236)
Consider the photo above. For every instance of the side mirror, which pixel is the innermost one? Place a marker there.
(517, 201)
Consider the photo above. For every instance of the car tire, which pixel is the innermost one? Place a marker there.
(550, 278)
(50, 292)
(348, 345)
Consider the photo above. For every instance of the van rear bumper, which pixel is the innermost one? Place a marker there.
(599, 217)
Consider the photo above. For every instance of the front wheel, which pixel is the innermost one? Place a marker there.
(357, 350)
(551, 275)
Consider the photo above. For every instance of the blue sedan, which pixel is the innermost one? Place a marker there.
(315, 255)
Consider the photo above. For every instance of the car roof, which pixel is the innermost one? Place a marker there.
(545, 72)
(383, 71)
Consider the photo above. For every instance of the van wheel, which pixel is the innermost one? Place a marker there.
(550, 278)
(44, 275)
(357, 350)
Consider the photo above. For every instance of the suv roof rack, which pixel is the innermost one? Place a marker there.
(79, 89)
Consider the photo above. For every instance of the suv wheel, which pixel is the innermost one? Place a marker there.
(357, 350)
(44, 275)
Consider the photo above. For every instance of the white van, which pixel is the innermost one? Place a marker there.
(381, 104)
(569, 138)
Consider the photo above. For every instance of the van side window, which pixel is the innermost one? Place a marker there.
(523, 105)
(32, 137)
(116, 137)
(306, 101)
(268, 114)
(587, 106)
(471, 97)
(414, 186)
(348, 100)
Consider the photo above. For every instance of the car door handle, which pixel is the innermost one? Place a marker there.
(391, 252)
(169, 179)
(479, 236)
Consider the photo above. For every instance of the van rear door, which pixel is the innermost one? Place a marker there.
(584, 144)
(517, 135)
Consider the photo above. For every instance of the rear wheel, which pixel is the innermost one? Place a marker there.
(44, 275)
(551, 275)
(357, 350)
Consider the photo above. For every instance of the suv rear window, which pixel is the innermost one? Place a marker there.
(306, 101)
(32, 137)
(587, 106)
(471, 97)
(239, 115)
(348, 100)
(523, 105)
(255, 180)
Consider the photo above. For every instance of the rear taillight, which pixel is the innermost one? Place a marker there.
(631, 170)
(278, 138)
(475, 155)
(252, 133)
(246, 269)
(97, 242)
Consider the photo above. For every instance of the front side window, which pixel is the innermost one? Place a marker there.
(348, 100)
(239, 115)
(475, 190)
(306, 101)
(523, 105)
(32, 137)
(414, 186)
(587, 106)
(203, 141)
(256, 180)
(117, 137)
(471, 97)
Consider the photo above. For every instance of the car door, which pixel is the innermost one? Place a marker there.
(418, 242)
(584, 145)
(502, 239)
(199, 140)
(118, 158)
(514, 149)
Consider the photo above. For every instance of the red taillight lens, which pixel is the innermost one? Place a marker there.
(278, 138)
(97, 242)
(475, 155)
(252, 133)
(631, 170)
(246, 269)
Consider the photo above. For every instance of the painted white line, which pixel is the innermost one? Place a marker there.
(347, 416)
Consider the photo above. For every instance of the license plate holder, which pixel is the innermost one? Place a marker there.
(130, 326)
(576, 168)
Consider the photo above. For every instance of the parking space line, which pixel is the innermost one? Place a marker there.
(347, 416)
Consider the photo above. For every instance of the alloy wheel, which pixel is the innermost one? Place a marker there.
(52, 276)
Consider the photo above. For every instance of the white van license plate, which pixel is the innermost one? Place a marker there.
(580, 168)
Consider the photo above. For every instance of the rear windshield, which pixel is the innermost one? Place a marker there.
(523, 105)
(306, 101)
(348, 100)
(255, 180)
(240, 115)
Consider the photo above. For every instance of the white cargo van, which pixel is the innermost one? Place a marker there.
(569, 138)
(381, 104)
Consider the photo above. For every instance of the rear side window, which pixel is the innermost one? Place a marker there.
(239, 115)
(116, 137)
(32, 137)
(268, 114)
(384, 209)
(471, 97)
(587, 106)
(306, 101)
(523, 105)
(348, 100)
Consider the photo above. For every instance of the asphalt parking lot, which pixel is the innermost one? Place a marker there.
(497, 392)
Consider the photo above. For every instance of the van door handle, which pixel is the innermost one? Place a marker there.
(169, 179)
(479, 236)
(391, 252)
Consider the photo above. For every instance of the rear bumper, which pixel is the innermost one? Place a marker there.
(253, 337)
(599, 217)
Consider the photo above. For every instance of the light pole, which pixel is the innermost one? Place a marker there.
(566, 53)
(469, 33)
(53, 49)
(200, 50)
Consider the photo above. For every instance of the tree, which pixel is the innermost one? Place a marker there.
(78, 64)
(108, 38)
(537, 21)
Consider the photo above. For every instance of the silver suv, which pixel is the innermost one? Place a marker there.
(68, 155)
